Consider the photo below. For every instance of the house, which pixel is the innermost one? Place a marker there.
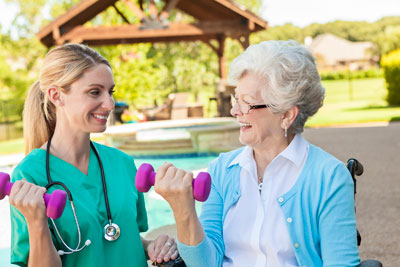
(335, 53)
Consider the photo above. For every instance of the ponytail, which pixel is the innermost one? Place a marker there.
(39, 118)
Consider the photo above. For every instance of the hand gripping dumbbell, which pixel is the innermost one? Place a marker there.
(145, 178)
(55, 202)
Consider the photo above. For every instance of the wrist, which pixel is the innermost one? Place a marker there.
(38, 225)
(145, 244)
(184, 215)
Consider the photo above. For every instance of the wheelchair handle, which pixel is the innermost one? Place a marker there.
(355, 167)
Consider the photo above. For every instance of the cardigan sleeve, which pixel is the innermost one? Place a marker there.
(210, 251)
(337, 221)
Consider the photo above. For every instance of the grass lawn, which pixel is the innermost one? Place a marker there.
(12, 146)
(364, 103)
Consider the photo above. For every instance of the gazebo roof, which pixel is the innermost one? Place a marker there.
(215, 18)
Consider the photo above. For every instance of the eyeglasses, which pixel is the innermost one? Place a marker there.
(244, 107)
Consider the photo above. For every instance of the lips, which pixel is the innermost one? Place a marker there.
(102, 117)
(244, 126)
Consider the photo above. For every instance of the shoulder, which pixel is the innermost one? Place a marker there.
(112, 153)
(30, 165)
(319, 158)
(221, 171)
(329, 168)
(224, 159)
(113, 157)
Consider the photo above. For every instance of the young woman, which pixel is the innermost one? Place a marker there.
(73, 98)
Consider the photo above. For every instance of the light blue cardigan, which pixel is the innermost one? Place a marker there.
(320, 204)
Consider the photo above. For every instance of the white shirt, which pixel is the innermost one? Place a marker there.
(255, 232)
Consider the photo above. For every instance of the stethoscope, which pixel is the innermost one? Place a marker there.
(111, 230)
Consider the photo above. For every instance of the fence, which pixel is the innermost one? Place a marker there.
(10, 119)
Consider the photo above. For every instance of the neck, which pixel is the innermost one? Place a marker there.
(266, 152)
(72, 148)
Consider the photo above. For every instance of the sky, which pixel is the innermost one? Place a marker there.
(298, 12)
(305, 12)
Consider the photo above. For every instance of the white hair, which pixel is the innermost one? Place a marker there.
(291, 77)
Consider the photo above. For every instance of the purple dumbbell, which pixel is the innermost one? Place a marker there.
(145, 178)
(55, 202)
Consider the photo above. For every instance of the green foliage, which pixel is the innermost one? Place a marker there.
(389, 39)
(17, 62)
(391, 66)
(147, 73)
(284, 32)
(385, 33)
(252, 5)
(358, 74)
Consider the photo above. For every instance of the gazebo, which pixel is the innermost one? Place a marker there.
(215, 20)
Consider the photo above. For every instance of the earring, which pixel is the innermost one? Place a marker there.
(285, 131)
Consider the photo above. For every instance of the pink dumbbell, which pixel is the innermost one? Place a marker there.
(55, 202)
(145, 178)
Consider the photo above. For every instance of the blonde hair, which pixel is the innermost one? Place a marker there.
(61, 67)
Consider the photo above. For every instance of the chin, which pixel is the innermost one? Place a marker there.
(244, 141)
(98, 130)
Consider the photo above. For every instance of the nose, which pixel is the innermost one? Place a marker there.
(108, 102)
(235, 110)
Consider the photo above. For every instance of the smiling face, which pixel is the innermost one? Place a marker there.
(260, 126)
(87, 105)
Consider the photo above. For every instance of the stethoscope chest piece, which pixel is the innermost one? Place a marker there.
(111, 231)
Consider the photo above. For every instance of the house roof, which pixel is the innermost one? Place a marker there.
(214, 17)
(334, 49)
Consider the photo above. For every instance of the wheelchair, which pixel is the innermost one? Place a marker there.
(356, 169)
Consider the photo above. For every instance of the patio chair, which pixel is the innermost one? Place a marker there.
(356, 169)
(162, 112)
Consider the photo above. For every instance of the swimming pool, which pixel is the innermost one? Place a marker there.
(158, 211)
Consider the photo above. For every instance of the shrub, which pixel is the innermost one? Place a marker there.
(358, 74)
(391, 66)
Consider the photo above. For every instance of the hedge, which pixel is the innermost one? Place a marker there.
(391, 66)
(344, 75)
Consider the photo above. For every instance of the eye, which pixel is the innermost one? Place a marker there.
(94, 92)
(111, 92)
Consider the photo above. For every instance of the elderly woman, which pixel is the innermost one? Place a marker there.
(279, 200)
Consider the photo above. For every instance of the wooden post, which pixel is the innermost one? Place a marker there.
(244, 41)
(221, 56)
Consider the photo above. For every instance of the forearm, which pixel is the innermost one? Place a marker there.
(189, 229)
(42, 251)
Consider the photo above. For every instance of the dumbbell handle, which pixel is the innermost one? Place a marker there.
(145, 178)
(55, 202)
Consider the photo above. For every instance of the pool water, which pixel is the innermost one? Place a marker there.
(158, 211)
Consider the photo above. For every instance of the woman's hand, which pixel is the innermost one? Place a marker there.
(162, 249)
(175, 186)
(28, 199)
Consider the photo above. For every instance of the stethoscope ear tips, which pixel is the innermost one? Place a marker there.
(62, 252)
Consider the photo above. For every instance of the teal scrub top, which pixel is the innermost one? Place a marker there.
(126, 205)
